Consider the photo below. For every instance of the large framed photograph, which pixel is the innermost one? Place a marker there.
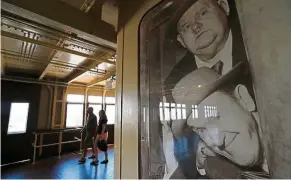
(198, 114)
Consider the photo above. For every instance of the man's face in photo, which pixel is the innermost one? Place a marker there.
(202, 153)
(203, 28)
(231, 131)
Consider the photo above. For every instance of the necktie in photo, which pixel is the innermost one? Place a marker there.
(218, 67)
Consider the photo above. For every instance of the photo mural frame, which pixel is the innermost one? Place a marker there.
(169, 144)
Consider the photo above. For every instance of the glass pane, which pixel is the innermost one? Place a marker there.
(215, 111)
(173, 113)
(179, 113)
(184, 113)
(161, 114)
(96, 108)
(74, 117)
(110, 112)
(94, 99)
(167, 114)
(18, 118)
(110, 100)
(76, 98)
(196, 113)
(205, 112)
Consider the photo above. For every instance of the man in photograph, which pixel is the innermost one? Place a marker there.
(231, 133)
(209, 30)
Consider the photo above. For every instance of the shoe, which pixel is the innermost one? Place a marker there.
(82, 160)
(94, 163)
(92, 157)
(104, 162)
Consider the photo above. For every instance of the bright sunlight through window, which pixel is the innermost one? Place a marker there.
(110, 112)
(74, 115)
(18, 118)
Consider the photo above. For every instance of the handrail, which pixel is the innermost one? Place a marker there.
(56, 131)
(59, 143)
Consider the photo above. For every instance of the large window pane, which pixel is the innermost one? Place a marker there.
(173, 111)
(94, 99)
(167, 114)
(110, 100)
(18, 118)
(96, 109)
(74, 116)
(75, 98)
(110, 112)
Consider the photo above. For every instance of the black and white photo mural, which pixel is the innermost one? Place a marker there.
(198, 109)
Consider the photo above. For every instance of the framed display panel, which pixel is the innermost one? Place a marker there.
(196, 94)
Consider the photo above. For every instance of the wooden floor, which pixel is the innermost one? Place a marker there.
(65, 168)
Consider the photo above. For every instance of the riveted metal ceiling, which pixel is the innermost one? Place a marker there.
(45, 53)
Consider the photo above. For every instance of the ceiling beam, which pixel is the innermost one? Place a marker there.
(60, 15)
(78, 72)
(46, 82)
(111, 71)
(52, 55)
(89, 64)
(48, 45)
(95, 9)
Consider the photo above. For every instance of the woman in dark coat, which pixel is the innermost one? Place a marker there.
(101, 138)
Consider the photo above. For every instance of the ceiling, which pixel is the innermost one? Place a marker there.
(35, 50)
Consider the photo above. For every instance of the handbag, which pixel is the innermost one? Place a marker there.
(102, 145)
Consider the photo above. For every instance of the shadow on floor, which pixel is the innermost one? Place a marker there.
(65, 168)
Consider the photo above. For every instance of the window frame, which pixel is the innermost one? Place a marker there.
(83, 110)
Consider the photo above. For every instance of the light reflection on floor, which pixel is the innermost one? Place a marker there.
(65, 168)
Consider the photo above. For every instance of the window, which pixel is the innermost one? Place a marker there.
(96, 108)
(110, 109)
(167, 111)
(172, 111)
(161, 112)
(110, 112)
(95, 99)
(194, 111)
(110, 100)
(210, 111)
(183, 111)
(96, 103)
(74, 116)
(75, 98)
(179, 111)
(18, 118)
(75, 110)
